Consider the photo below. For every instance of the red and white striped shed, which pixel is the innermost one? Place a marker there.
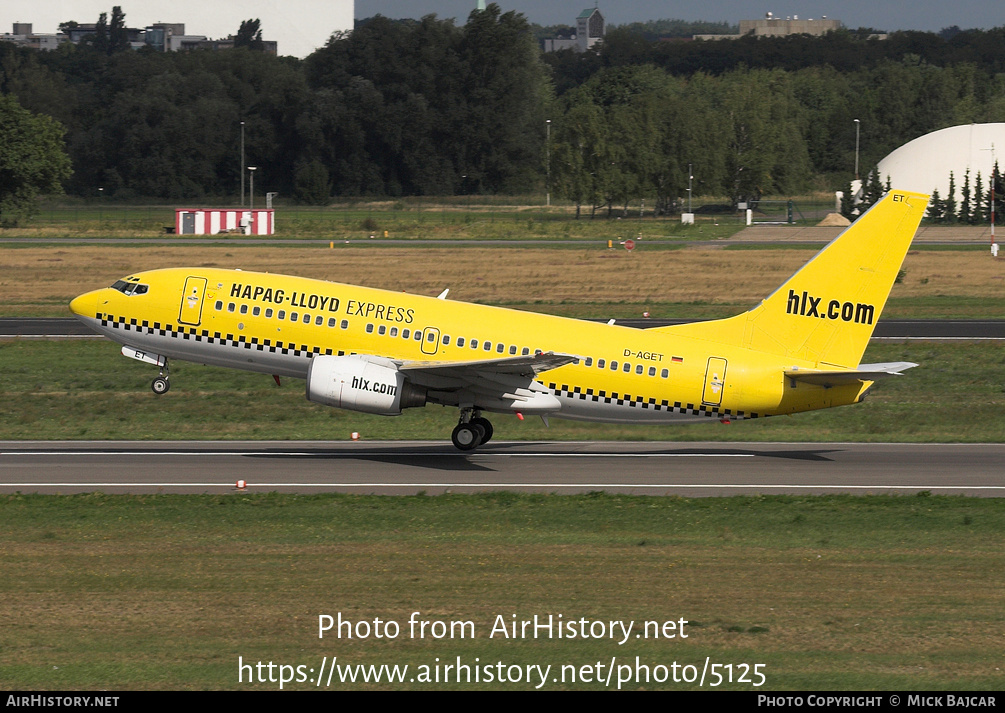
(210, 221)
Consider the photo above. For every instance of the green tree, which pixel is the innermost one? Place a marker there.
(977, 216)
(577, 144)
(950, 202)
(250, 35)
(311, 185)
(99, 40)
(966, 211)
(32, 160)
(936, 207)
(118, 36)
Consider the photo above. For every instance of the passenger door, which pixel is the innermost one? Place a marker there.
(192, 298)
(715, 381)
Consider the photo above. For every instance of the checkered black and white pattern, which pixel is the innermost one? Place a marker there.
(601, 396)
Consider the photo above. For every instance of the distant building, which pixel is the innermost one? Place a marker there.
(772, 26)
(162, 36)
(23, 36)
(590, 29)
(298, 26)
(923, 165)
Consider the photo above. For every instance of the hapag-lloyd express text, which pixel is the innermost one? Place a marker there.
(325, 303)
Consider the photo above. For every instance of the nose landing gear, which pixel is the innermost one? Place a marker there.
(162, 384)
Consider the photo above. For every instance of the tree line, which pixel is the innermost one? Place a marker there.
(426, 107)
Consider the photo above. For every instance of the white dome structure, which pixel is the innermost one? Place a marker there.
(923, 165)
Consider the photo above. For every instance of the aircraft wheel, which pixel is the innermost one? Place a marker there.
(486, 426)
(466, 436)
(160, 385)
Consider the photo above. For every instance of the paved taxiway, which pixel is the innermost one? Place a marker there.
(685, 469)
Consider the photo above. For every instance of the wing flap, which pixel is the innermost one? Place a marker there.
(526, 366)
(503, 385)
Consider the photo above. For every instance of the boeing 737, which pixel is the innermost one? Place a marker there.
(381, 352)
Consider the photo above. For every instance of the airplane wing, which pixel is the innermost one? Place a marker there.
(865, 372)
(505, 384)
(529, 366)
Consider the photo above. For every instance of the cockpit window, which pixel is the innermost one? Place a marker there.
(130, 288)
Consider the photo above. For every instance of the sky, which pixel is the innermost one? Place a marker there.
(930, 15)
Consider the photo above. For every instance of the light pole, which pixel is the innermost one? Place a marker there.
(857, 125)
(690, 177)
(547, 148)
(994, 175)
(242, 164)
(252, 170)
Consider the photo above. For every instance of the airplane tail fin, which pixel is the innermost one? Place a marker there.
(826, 312)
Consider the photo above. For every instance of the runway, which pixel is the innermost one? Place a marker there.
(394, 468)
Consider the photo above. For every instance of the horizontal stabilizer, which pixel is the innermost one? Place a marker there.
(865, 372)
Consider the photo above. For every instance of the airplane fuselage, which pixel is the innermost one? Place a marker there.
(277, 324)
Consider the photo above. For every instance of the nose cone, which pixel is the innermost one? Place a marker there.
(86, 305)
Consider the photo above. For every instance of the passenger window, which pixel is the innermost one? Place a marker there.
(256, 311)
(345, 324)
(460, 341)
(382, 330)
(614, 366)
(652, 371)
(307, 319)
(369, 329)
(600, 363)
(331, 321)
(405, 333)
(319, 320)
(474, 343)
(294, 316)
(446, 339)
(500, 347)
(394, 332)
(487, 346)
(244, 309)
(431, 337)
(219, 305)
(589, 361)
(231, 307)
(665, 373)
(627, 368)
(512, 350)
(281, 314)
(418, 335)
(268, 312)
(639, 369)
(525, 351)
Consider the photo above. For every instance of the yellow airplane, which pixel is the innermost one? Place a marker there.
(381, 352)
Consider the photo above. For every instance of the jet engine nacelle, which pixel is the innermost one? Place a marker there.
(361, 383)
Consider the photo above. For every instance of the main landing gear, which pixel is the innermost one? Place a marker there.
(162, 383)
(471, 431)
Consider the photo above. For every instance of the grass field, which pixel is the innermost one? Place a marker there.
(475, 217)
(578, 282)
(87, 390)
(828, 593)
(167, 592)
